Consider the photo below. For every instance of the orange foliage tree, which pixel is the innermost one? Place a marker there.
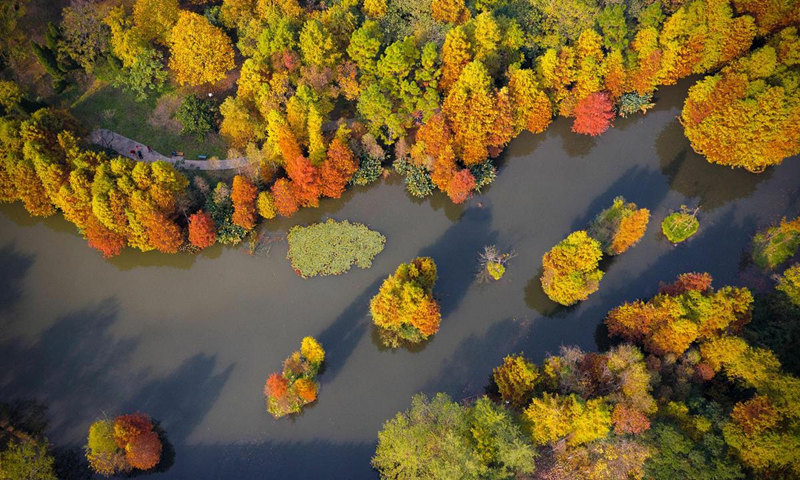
(686, 312)
(338, 169)
(460, 185)
(404, 309)
(108, 242)
(202, 231)
(284, 197)
(243, 196)
(144, 450)
(276, 386)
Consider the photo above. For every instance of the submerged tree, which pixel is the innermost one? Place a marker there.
(679, 226)
(296, 385)
(571, 270)
(404, 309)
(125, 443)
(492, 264)
(620, 226)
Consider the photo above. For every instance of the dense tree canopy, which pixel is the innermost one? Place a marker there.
(404, 309)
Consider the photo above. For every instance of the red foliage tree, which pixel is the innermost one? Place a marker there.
(276, 386)
(593, 114)
(700, 282)
(338, 169)
(202, 231)
(284, 196)
(460, 186)
(144, 451)
(128, 427)
(109, 243)
(629, 420)
(755, 415)
(243, 196)
(704, 372)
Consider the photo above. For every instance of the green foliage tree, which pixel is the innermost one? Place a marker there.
(198, 116)
(26, 460)
(789, 283)
(676, 455)
(438, 438)
(85, 35)
(145, 77)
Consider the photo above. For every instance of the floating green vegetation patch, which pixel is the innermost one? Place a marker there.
(776, 244)
(679, 226)
(332, 247)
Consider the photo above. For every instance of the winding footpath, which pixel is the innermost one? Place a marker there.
(124, 146)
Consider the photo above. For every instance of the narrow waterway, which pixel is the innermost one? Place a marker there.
(191, 339)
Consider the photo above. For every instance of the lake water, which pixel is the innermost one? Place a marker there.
(190, 340)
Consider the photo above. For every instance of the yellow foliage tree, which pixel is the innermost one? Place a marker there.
(200, 52)
(155, 18)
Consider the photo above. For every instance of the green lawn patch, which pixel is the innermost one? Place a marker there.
(117, 110)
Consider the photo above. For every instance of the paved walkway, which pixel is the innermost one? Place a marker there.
(124, 146)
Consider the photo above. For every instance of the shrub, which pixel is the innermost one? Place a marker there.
(492, 263)
(404, 309)
(678, 226)
(571, 270)
(633, 102)
(332, 248)
(369, 170)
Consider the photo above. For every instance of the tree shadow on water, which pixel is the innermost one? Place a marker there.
(574, 144)
(74, 365)
(637, 184)
(536, 299)
(14, 265)
(693, 176)
(342, 336)
(279, 460)
(183, 397)
(455, 253)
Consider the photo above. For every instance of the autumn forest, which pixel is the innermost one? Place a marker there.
(400, 239)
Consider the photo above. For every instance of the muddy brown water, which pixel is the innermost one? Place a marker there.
(191, 339)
